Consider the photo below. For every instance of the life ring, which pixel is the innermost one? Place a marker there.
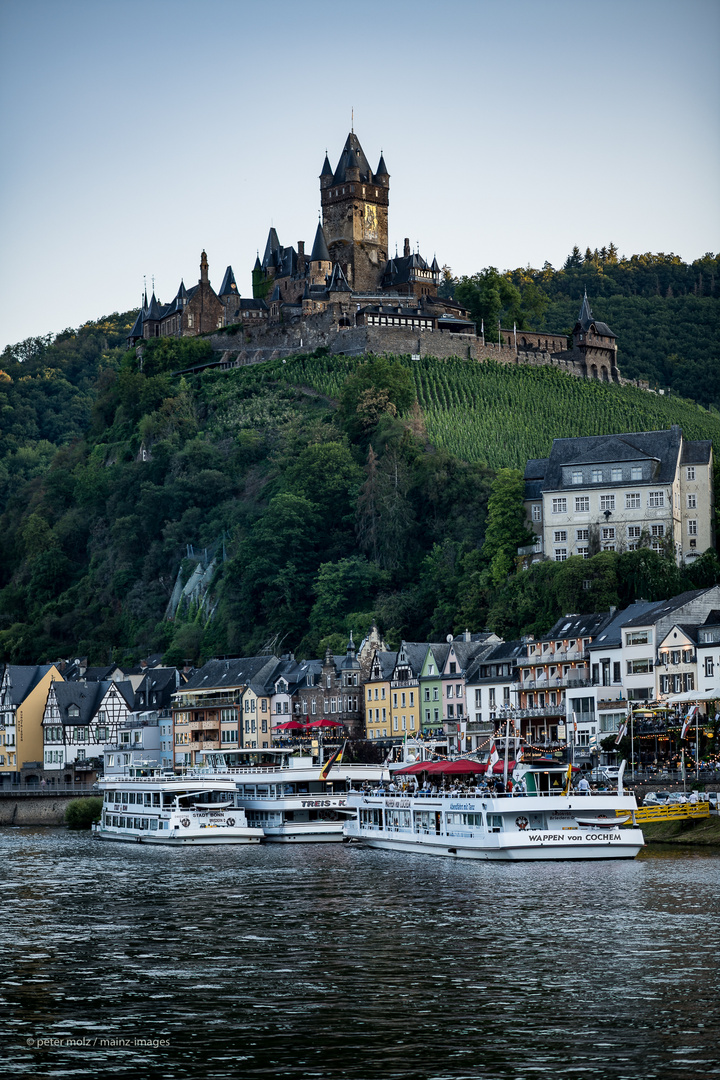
(521, 822)
(231, 821)
(185, 821)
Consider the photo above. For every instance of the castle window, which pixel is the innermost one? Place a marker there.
(690, 472)
(632, 500)
(582, 504)
(692, 502)
(692, 528)
(656, 498)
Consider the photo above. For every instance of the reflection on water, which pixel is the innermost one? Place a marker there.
(330, 961)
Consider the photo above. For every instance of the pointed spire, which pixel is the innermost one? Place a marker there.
(229, 286)
(327, 167)
(381, 169)
(320, 251)
(271, 249)
(586, 316)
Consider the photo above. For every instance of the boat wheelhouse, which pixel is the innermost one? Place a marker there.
(541, 823)
(176, 811)
(290, 801)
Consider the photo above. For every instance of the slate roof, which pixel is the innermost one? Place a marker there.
(666, 607)
(87, 697)
(659, 447)
(352, 156)
(320, 251)
(507, 652)
(398, 270)
(137, 329)
(415, 652)
(440, 650)
(338, 281)
(465, 652)
(23, 679)
(387, 661)
(272, 248)
(229, 285)
(217, 674)
(381, 169)
(575, 626)
(163, 682)
(696, 452)
(327, 167)
(610, 636)
(585, 320)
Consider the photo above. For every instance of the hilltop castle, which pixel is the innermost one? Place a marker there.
(350, 296)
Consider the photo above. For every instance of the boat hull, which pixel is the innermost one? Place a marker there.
(622, 848)
(250, 836)
(313, 834)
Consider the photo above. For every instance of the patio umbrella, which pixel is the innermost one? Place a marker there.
(290, 725)
(456, 768)
(324, 723)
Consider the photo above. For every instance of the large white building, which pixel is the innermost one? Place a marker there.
(621, 492)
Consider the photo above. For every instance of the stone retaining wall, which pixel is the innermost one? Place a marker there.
(34, 809)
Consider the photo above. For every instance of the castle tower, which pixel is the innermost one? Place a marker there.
(597, 344)
(320, 261)
(355, 215)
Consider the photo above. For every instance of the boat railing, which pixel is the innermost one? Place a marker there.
(374, 793)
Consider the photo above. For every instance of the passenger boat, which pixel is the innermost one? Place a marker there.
(540, 824)
(176, 811)
(291, 802)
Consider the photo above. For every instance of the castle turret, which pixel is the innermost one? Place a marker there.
(320, 261)
(597, 344)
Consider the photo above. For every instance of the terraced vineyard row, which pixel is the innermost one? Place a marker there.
(505, 415)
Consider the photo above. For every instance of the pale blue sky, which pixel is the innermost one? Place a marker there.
(137, 132)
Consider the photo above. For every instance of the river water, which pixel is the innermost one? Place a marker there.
(330, 962)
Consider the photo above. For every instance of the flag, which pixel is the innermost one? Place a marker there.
(568, 780)
(686, 721)
(622, 731)
(334, 760)
(519, 756)
(494, 756)
(575, 723)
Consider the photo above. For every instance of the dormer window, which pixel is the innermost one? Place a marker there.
(73, 711)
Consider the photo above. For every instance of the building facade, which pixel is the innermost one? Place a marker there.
(621, 492)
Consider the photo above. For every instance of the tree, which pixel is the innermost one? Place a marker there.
(507, 528)
(377, 387)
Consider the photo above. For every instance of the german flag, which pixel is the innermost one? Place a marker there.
(568, 780)
(334, 760)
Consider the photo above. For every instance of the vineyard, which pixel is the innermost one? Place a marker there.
(504, 415)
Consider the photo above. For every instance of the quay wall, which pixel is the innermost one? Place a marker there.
(33, 809)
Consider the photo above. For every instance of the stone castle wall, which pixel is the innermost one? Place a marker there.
(270, 342)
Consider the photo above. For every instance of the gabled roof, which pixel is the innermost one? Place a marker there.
(387, 660)
(338, 281)
(87, 696)
(22, 679)
(229, 286)
(352, 156)
(415, 652)
(440, 650)
(320, 251)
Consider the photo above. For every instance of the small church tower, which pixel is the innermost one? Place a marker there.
(355, 215)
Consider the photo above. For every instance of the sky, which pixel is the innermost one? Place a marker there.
(135, 133)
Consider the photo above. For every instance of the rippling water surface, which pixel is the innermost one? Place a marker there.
(329, 961)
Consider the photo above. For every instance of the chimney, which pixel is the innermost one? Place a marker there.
(203, 269)
(406, 248)
(301, 248)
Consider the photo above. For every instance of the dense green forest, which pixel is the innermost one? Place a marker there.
(340, 490)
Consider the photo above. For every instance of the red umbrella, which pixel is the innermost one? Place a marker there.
(456, 768)
(290, 725)
(324, 723)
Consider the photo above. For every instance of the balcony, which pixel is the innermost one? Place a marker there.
(487, 727)
(545, 710)
(209, 744)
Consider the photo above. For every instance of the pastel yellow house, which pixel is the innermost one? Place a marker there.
(23, 693)
(405, 690)
(378, 718)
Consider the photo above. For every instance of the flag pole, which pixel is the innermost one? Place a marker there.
(632, 741)
(507, 740)
(697, 743)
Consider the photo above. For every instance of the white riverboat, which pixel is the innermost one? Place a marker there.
(177, 811)
(539, 824)
(290, 801)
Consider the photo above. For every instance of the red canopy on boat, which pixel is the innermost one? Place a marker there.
(416, 767)
(462, 766)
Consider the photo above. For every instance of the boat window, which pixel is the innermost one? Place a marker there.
(131, 796)
(148, 798)
(465, 819)
(288, 789)
(425, 819)
(153, 824)
(495, 821)
(156, 798)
